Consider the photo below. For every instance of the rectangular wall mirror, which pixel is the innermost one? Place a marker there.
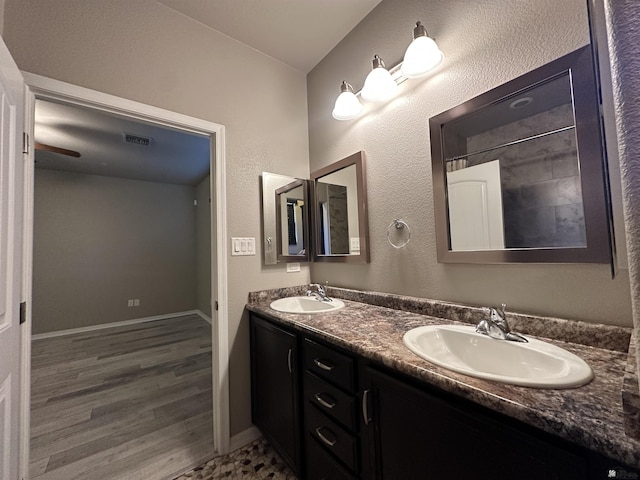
(292, 219)
(274, 229)
(519, 171)
(339, 212)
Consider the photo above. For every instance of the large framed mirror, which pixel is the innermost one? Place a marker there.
(292, 218)
(272, 229)
(519, 171)
(339, 217)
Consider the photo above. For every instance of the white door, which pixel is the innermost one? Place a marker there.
(11, 200)
(475, 207)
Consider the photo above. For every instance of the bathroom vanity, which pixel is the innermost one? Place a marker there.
(341, 397)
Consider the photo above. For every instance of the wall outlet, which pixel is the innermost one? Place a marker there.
(130, 303)
(136, 302)
(293, 267)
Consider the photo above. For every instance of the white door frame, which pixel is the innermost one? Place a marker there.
(49, 89)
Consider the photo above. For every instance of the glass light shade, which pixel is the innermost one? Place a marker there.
(378, 86)
(422, 56)
(347, 104)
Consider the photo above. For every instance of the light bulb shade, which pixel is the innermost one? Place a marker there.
(347, 104)
(422, 56)
(378, 86)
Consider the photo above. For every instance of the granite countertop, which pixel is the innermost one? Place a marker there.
(591, 415)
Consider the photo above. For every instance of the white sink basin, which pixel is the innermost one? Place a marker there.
(305, 305)
(534, 364)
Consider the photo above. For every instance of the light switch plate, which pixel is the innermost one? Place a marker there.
(243, 246)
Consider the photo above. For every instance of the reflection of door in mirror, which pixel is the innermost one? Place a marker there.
(545, 128)
(291, 215)
(475, 207)
(334, 219)
(534, 135)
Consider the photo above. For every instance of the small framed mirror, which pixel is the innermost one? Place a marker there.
(292, 214)
(340, 222)
(519, 171)
(269, 184)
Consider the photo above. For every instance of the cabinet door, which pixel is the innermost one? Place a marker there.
(418, 435)
(274, 388)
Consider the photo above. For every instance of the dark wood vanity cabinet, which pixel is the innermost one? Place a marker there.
(330, 414)
(275, 388)
(335, 416)
(416, 434)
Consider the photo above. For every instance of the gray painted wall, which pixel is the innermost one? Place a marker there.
(485, 45)
(100, 241)
(176, 63)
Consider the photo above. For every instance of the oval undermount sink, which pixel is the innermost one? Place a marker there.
(305, 305)
(533, 364)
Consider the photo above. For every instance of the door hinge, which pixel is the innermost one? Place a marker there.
(25, 142)
(23, 312)
(216, 305)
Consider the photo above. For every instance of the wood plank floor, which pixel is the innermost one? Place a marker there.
(131, 402)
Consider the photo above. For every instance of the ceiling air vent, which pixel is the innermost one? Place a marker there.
(136, 139)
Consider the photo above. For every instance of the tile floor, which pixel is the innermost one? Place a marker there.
(255, 461)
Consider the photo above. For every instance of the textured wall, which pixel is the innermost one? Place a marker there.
(147, 52)
(100, 241)
(624, 41)
(485, 45)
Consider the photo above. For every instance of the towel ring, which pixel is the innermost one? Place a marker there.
(398, 233)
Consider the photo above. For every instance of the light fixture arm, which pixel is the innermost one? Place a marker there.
(419, 30)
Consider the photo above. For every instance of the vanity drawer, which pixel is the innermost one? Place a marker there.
(332, 436)
(331, 400)
(322, 466)
(329, 364)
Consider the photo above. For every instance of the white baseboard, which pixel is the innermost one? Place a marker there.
(243, 438)
(204, 316)
(71, 331)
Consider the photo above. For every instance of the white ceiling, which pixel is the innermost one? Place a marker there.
(298, 33)
(171, 157)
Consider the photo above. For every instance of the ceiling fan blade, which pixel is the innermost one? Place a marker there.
(61, 151)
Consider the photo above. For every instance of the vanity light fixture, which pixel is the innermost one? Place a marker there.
(379, 85)
(421, 57)
(347, 104)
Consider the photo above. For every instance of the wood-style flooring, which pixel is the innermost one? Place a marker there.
(131, 402)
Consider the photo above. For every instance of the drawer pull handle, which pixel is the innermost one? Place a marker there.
(365, 407)
(331, 443)
(323, 365)
(330, 403)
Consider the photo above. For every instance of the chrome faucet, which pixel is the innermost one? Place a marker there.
(320, 294)
(496, 326)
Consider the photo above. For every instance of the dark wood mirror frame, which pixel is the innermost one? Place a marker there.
(282, 258)
(592, 164)
(358, 160)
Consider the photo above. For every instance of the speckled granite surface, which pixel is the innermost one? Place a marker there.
(591, 416)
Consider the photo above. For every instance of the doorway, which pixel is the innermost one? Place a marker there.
(42, 88)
